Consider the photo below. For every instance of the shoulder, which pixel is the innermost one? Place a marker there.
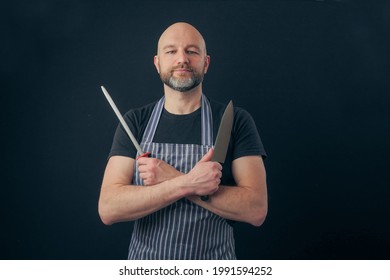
(141, 114)
(240, 114)
(137, 119)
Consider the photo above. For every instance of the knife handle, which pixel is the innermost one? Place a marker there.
(147, 154)
(204, 197)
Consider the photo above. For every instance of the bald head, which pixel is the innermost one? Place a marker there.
(181, 33)
(181, 58)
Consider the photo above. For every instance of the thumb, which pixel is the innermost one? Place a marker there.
(208, 156)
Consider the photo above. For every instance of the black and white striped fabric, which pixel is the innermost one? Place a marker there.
(182, 230)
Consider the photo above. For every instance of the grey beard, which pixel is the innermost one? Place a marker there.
(182, 85)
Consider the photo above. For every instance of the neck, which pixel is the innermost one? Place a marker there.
(181, 103)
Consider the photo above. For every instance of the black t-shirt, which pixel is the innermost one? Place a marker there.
(186, 129)
(183, 129)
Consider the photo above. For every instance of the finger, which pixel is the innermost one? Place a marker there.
(142, 168)
(208, 156)
(142, 161)
(218, 166)
(143, 175)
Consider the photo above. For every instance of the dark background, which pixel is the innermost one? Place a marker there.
(314, 75)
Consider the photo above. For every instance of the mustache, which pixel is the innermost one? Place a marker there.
(182, 66)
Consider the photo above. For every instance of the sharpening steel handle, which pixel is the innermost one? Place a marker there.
(147, 154)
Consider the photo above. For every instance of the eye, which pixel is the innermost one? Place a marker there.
(192, 52)
(170, 52)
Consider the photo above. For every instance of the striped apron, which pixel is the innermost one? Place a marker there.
(182, 230)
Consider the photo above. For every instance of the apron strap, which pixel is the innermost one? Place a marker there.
(153, 121)
(207, 122)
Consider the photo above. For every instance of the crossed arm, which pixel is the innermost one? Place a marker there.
(121, 201)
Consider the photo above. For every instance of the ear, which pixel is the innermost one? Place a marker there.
(156, 63)
(206, 63)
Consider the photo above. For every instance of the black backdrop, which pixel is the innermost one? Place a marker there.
(314, 75)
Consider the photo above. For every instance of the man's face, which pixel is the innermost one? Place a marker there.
(181, 60)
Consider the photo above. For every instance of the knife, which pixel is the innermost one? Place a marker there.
(124, 124)
(223, 137)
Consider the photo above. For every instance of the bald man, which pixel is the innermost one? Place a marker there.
(161, 194)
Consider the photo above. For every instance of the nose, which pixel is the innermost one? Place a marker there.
(182, 57)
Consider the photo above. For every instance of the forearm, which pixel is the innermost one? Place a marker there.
(130, 202)
(247, 201)
(237, 203)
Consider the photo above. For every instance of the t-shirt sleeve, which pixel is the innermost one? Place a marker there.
(122, 145)
(247, 141)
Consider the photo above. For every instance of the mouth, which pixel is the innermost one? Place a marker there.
(182, 70)
(182, 73)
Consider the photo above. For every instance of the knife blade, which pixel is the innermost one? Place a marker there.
(223, 137)
(124, 124)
